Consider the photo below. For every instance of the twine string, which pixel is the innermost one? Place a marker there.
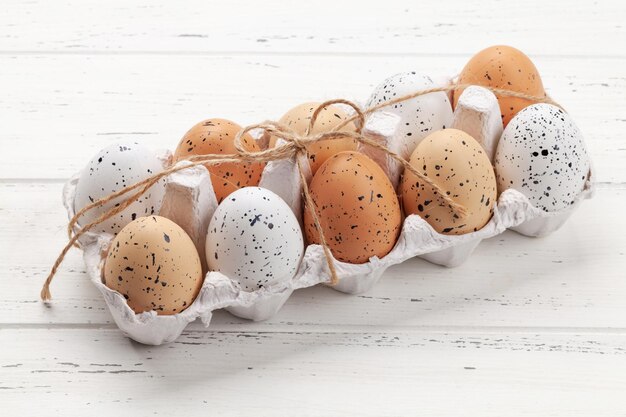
(358, 115)
(143, 186)
(310, 205)
(295, 146)
(446, 89)
(207, 159)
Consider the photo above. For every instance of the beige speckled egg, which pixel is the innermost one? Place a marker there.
(217, 136)
(154, 264)
(298, 119)
(459, 166)
(357, 206)
(503, 67)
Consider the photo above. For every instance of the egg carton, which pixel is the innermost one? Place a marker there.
(190, 202)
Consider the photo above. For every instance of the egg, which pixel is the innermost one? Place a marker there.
(507, 68)
(542, 154)
(357, 207)
(254, 238)
(331, 116)
(113, 168)
(419, 116)
(456, 163)
(217, 136)
(154, 264)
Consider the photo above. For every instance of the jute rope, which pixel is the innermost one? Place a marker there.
(295, 147)
(452, 87)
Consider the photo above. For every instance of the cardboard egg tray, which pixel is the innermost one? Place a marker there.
(190, 202)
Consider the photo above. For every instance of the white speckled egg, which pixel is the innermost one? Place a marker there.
(419, 116)
(254, 238)
(115, 167)
(542, 154)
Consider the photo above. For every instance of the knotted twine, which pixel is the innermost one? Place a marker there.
(295, 147)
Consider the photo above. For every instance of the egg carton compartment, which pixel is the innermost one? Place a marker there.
(218, 291)
(190, 202)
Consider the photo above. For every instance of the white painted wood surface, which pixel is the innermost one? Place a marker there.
(525, 327)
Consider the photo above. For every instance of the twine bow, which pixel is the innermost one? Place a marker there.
(295, 146)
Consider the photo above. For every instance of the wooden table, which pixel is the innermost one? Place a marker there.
(525, 327)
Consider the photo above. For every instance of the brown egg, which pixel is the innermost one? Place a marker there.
(459, 166)
(154, 264)
(357, 207)
(217, 136)
(503, 67)
(298, 119)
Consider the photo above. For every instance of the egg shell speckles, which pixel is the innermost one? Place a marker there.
(542, 154)
(217, 136)
(298, 119)
(116, 167)
(507, 68)
(460, 167)
(154, 264)
(419, 116)
(254, 238)
(357, 207)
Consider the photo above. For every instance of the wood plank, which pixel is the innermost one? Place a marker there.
(571, 279)
(393, 26)
(57, 111)
(526, 327)
(379, 373)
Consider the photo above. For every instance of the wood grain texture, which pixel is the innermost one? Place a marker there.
(569, 279)
(525, 327)
(580, 28)
(58, 111)
(340, 373)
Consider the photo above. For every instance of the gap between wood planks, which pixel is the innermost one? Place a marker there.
(347, 54)
(247, 328)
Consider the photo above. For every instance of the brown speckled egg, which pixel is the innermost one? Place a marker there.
(459, 166)
(298, 119)
(503, 67)
(357, 206)
(217, 136)
(154, 264)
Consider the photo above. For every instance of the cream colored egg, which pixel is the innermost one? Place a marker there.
(154, 264)
(459, 166)
(298, 120)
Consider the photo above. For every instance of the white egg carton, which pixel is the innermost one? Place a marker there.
(190, 202)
